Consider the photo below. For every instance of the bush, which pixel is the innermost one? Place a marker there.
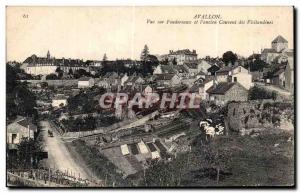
(256, 93)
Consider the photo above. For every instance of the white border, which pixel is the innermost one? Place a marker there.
(4, 3)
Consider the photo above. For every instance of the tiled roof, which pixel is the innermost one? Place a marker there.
(185, 51)
(26, 123)
(180, 68)
(84, 78)
(269, 50)
(33, 60)
(221, 88)
(192, 65)
(279, 39)
(60, 97)
(167, 69)
(213, 68)
(164, 76)
(277, 73)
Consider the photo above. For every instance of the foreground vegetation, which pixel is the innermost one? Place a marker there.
(264, 160)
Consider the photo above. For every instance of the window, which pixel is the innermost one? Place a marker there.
(14, 138)
(234, 79)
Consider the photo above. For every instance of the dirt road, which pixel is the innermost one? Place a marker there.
(58, 155)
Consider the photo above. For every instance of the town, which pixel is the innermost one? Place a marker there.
(62, 133)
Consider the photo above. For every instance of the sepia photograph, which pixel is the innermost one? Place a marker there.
(150, 96)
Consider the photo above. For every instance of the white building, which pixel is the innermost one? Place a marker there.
(142, 147)
(235, 74)
(125, 149)
(59, 101)
(86, 82)
(124, 79)
(21, 128)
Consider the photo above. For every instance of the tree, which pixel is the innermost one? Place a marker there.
(19, 99)
(256, 93)
(51, 76)
(174, 62)
(229, 57)
(70, 71)
(145, 53)
(256, 65)
(59, 72)
(26, 156)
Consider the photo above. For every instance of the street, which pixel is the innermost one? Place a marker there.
(58, 154)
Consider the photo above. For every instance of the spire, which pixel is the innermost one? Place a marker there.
(48, 55)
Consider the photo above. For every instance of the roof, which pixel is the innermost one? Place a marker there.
(269, 50)
(277, 73)
(110, 75)
(151, 147)
(26, 123)
(180, 68)
(164, 76)
(195, 88)
(133, 79)
(167, 69)
(201, 73)
(279, 39)
(222, 88)
(192, 65)
(225, 70)
(213, 68)
(84, 78)
(33, 60)
(184, 51)
(60, 97)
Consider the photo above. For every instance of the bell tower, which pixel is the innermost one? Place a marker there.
(48, 55)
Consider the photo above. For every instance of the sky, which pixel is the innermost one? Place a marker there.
(121, 32)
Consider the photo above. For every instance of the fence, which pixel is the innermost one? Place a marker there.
(47, 178)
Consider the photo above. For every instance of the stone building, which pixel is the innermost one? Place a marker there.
(227, 91)
(279, 46)
(182, 56)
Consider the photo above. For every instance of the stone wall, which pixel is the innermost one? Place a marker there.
(257, 115)
(71, 82)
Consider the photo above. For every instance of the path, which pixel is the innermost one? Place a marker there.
(58, 155)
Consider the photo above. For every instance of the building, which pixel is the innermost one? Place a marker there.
(134, 80)
(279, 46)
(21, 128)
(59, 101)
(203, 66)
(125, 149)
(212, 70)
(201, 87)
(48, 65)
(235, 74)
(86, 82)
(227, 91)
(167, 79)
(283, 77)
(142, 147)
(164, 69)
(124, 78)
(192, 68)
(146, 90)
(182, 56)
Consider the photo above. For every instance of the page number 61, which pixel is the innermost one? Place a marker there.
(25, 16)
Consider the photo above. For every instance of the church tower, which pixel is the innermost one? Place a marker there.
(48, 55)
(279, 44)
